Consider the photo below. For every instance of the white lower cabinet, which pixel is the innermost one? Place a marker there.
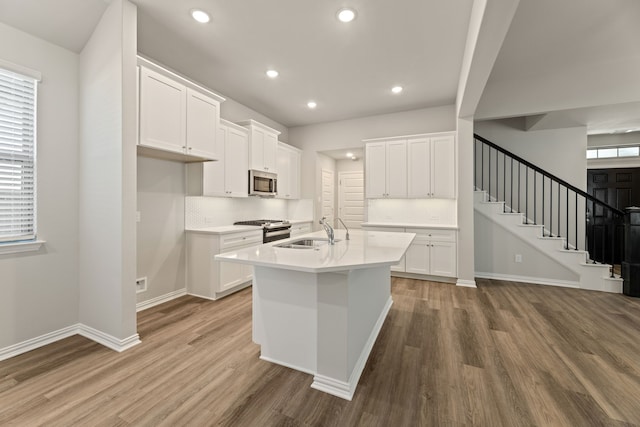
(432, 252)
(300, 228)
(212, 279)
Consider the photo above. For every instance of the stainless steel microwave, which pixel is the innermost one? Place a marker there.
(263, 184)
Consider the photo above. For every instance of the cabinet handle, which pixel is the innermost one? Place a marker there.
(190, 148)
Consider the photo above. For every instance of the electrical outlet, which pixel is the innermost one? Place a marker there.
(518, 258)
(141, 284)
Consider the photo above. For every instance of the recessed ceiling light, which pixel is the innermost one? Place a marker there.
(272, 73)
(312, 104)
(200, 16)
(396, 89)
(349, 155)
(627, 131)
(346, 15)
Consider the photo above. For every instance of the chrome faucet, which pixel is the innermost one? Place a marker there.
(345, 227)
(329, 230)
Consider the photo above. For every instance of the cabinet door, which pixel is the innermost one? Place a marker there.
(375, 170)
(236, 162)
(213, 173)
(203, 118)
(162, 112)
(443, 259)
(417, 258)
(294, 177)
(256, 149)
(231, 274)
(396, 169)
(284, 172)
(443, 167)
(270, 150)
(418, 168)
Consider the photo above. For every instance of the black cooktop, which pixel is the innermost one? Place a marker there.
(260, 222)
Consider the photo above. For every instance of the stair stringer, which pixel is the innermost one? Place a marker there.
(591, 276)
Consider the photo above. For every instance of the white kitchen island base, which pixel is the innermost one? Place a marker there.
(319, 308)
(324, 324)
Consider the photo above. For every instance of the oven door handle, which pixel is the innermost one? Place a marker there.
(277, 233)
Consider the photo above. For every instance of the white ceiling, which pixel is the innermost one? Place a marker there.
(582, 51)
(577, 60)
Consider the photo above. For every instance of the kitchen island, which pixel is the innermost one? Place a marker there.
(318, 309)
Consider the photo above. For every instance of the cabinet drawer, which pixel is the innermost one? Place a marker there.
(439, 235)
(389, 229)
(246, 238)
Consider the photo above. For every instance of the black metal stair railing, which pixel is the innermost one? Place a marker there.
(563, 210)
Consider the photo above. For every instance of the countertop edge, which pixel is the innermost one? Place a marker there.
(407, 225)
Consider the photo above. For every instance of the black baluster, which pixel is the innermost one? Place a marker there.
(576, 220)
(543, 224)
(482, 167)
(526, 194)
(504, 182)
(567, 215)
(475, 164)
(519, 210)
(535, 195)
(550, 207)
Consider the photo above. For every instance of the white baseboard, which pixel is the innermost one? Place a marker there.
(77, 329)
(143, 305)
(524, 279)
(466, 283)
(37, 342)
(343, 389)
(107, 340)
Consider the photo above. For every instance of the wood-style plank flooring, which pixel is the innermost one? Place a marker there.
(504, 354)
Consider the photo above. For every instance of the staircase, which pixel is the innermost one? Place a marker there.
(550, 215)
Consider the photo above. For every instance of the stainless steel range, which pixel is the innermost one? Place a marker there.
(272, 229)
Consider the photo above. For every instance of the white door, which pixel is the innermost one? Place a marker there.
(351, 198)
(328, 195)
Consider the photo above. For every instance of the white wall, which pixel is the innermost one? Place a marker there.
(613, 140)
(40, 290)
(160, 232)
(413, 211)
(495, 251)
(108, 175)
(561, 152)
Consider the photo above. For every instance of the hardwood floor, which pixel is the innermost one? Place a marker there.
(504, 354)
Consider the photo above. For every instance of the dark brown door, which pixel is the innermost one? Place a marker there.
(619, 188)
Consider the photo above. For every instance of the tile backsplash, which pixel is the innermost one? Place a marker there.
(218, 211)
(413, 211)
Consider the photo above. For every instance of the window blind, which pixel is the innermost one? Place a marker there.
(17, 156)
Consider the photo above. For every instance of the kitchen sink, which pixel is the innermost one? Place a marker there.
(305, 243)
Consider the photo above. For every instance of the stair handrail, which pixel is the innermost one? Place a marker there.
(549, 175)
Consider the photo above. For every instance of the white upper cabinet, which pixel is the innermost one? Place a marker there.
(227, 177)
(418, 167)
(431, 167)
(178, 120)
(443, 174)
(288, 172)
(386, 166)
(203, 119)
(163, 106)
(263, 146)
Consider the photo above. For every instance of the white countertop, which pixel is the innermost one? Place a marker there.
(365, 249)
(409, 225)
(225, 229)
